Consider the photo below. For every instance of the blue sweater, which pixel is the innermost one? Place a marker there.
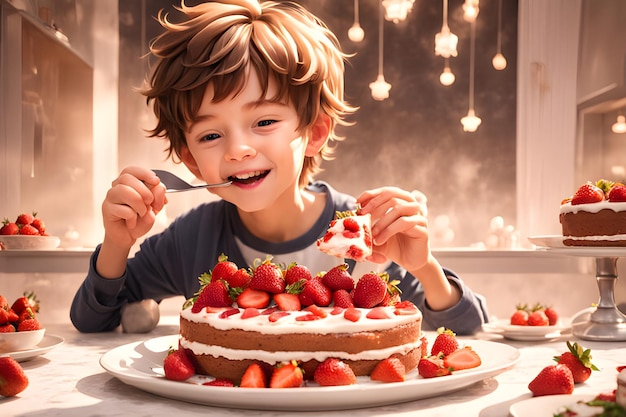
(168, 264)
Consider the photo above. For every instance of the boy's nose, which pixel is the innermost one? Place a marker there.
(239, 148)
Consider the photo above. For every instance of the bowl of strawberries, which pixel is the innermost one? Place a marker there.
(19, 327)
(27, 232)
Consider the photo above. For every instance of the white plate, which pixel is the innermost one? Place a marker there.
(526, 333)
(555, 244)
(140, 364)
(545, 406)
(25, 242)
(24, 340)
(48, 343)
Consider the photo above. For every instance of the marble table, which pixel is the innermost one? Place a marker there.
(68, 381)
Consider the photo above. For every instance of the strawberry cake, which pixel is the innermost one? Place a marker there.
(595, 215)
(271, 318)
(349, 236)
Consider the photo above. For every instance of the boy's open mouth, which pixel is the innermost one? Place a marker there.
(250, 177)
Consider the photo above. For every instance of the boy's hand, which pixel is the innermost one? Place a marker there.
(399, 226)
(131, 205)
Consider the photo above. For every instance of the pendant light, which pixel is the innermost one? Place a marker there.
(380, 88)
(471, 122)
(470, 10)
(397, 10)
(499, 61)
(446, 41)
(447, 77)
(620, 125)
(356, 33)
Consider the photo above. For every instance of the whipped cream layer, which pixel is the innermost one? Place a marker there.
(592, 207)
(598, 238)
(288, 324)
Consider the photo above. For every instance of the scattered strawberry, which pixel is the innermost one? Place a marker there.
(405, 308)
(178, 366)
(253, 298)
(431, 367)
(253, 377)
(338, 278)
(578, 360)
(13, 380)
(9, 228)
(296, 272)
(220, 382)
(316, 311)
(587, 193)
(445, 342)
(315, 292)
(389, 370)
(552, 380)
(287, 302)
(352, 314)
(463, 358)
(334, 372)
(378, 313)
(288, 375)
(370, 290)
(268, 276)
(277, 315)
(250, 312)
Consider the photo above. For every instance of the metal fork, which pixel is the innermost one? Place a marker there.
(174, 184)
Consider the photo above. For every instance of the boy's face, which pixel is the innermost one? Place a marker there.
(250, 141)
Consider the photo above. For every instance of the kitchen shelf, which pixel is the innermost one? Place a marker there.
(49, 261)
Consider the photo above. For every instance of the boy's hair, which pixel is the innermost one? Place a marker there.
(220, 42)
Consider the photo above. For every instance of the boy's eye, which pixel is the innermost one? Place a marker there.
(263, 123)
(209, 137)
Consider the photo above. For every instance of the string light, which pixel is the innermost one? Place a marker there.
(471, 122)
(470, 10)
(447, 77)
(499, 61)
(356, 33)
(446, 41)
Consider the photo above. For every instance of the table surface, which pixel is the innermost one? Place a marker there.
(69, 381)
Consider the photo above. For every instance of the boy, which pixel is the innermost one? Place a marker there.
(252, 92)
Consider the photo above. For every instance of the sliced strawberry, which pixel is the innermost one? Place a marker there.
(220, 382)
(250, 312)
(378, 313)
(308, 317)
(288, 375)
(178, 366)
(337, 310)
(253, 298)
(334, 372)
(463, 358)
(352, 314)
(431, 367)
(228, 312)
(405, 308)
(317, 311)
(389, 370)
(287, 302)
(253, 377)
(277, 315)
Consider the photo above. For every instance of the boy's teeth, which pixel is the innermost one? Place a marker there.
(248, 175)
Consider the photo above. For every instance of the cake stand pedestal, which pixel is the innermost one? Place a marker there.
(604, 322)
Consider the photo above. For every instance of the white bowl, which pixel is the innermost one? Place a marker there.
(25, 242)
(16, 341)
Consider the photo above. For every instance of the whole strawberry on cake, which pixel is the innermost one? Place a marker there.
(595, 215)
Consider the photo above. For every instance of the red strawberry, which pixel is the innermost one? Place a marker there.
(277, 315)
(29, 325)
(287, 302)
(587, 193)
(253, 298)
(445, 342)
(241, 278)
(295, 273)
(378, 313)
(250, 312)
(538, 318)
(13, 380)
(352, 314)
(214, 294)
(351, 225)
(220, 382)
(519, 318)
(617, 193)
(338, 278)
(4, 303)
(553, 316)
(609, 396)
(7, 328)
(178, 366)
(29, 230)
(38, 224)
(463, 358)
(342, 298)
(405, 308)
(315, 292)
(389, 370)
(253, 377)
(26, 301)
(9, 228)
(25, 218)
(552, 380)
(370, 290)
(578, 360)
(316, 311)
(288, 375)
(333, 372)
(268, 276)
(224, 269)
(431, 367)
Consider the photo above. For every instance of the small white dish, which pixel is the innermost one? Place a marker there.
(16, 341)
(526, 333)
(48, 343)
(25, 242)
(545, 406)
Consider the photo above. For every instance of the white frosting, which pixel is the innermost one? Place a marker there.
(338, 245)
(608, 238)
(592, 207)
(279, 356)
(288, 324)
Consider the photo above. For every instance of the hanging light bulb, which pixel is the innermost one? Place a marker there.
(397, 10)
(470, 10)
(380, 88)
(471, 122)
(356, 33)
(446, 41)
(447, 77)
(499, 61)
(620, 125)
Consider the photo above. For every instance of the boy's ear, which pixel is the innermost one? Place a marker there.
(319, 135)
(190, 162)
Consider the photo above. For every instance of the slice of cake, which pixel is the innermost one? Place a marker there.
(595, 215)
(349, 236)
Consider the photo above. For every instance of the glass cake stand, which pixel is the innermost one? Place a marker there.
(604, 322)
